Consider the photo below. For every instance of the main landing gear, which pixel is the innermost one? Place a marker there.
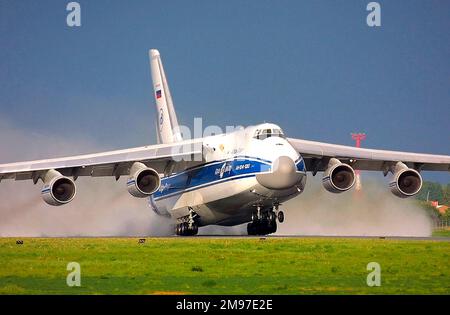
(188, 225)
(265, 222)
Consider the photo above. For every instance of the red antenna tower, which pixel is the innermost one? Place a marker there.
(358, 137)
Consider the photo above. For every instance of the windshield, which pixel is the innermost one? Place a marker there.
(262, 134)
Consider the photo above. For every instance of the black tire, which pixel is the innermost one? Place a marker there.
(251, 229)
(271, 217)
(281, 216)
(273, 228)
(262, 229)
(181, 229)
(187, 230)
(195, 229)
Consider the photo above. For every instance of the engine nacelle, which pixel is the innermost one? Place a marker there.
(143, 180)
(338, 177)
(406, 182)
(58, 189)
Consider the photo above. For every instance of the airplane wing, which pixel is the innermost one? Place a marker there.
(161, 157)
(317, 154)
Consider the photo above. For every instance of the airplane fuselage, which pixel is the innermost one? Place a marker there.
(228, 186)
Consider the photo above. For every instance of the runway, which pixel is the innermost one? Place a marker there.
(396, 238)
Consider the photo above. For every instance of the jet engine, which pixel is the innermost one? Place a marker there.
(58, 189)
(143, 180)
(406, 182)
(338, 177)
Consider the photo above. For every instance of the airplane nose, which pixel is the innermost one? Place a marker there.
(283, 175)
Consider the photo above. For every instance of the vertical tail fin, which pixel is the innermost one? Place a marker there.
(167, 123)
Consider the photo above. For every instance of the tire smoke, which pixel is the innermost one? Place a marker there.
(102, 206)
(373, 211)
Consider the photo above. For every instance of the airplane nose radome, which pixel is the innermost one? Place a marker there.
(283, 175)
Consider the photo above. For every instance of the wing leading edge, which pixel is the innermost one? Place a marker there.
(317, 155)
(162, 157)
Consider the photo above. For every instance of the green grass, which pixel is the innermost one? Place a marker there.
(442, 233)
(219, 266)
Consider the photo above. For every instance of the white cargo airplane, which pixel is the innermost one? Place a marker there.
(227, 179)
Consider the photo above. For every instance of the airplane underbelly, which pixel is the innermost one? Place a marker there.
(200, 200)
(227, 203)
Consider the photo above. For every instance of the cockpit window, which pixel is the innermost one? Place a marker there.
(262, 134)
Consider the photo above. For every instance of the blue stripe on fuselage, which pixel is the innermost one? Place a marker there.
(213, 173)
(238, 158)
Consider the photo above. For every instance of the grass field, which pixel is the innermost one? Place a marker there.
(442, 232)
(224, 265)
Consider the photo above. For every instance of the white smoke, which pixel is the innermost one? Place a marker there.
(102, 206)
(373, 211)
(223, 230)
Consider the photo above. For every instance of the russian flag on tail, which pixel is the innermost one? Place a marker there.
(158, 94)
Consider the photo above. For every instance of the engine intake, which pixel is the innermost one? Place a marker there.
(143, 180)
(338, 177)
(406, 182)
(58, 189)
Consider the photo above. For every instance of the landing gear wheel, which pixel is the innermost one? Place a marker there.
(251, 229)
(266, 225)
(182, 229)
(281, 216)
(263, 230)
(273, 227)
(194, 229)
(271, 217)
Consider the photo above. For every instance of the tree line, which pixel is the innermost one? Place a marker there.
(435, 192)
